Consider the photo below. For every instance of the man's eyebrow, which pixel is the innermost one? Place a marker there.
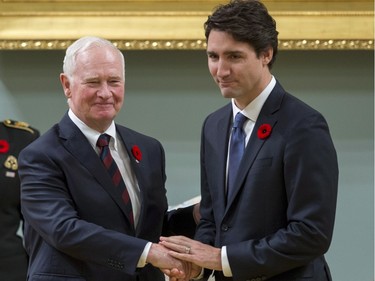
(114, 76)
(235, 52)
(226, 52)
(89, 78)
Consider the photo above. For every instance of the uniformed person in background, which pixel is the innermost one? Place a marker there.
(14, 136)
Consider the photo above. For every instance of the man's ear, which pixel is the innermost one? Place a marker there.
(65, 84)
(267, 56)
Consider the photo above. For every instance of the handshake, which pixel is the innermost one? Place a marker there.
(182, 259)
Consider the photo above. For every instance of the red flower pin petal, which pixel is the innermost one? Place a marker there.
(137, 153)
(264, 131)
(4, 146)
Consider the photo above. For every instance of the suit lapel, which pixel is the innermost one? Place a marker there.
(77, 144)
(268, 115)
(223, 129)
(129, 141)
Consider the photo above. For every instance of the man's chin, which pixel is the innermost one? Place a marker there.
(226, 93)
(104, 117)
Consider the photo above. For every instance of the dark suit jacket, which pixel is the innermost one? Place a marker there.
(280, 221)
(13, 258)
(76, 227)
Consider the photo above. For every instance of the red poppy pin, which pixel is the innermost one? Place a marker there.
(137, 153)
(4, 146)
(264, 131)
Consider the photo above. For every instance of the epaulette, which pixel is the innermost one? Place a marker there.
(18, 125)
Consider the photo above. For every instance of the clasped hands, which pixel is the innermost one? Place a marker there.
(182, 258)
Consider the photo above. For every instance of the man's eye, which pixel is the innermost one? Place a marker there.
(234, 57)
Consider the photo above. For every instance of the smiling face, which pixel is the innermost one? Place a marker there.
(95, 90)
(239, 72)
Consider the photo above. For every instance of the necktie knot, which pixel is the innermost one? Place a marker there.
(103, 140)
(239, 120)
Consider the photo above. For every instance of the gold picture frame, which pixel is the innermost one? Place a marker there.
(178, 24)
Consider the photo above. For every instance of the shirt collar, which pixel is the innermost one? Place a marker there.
(92, 135)
(252, 110)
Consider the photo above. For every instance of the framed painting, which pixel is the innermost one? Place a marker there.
(178, 24)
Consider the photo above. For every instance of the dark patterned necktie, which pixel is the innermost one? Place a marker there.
(114, 172)
(237, 148)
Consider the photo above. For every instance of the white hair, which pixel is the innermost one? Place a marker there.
(81, 45)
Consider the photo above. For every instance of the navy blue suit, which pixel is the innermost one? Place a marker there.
(75, 223)
(279, 223)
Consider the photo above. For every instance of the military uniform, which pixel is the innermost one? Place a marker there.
(14, 136)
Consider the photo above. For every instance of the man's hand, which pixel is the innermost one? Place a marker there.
(186, 249)
(176, 269)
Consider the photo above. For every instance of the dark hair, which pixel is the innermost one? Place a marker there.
(247, 21)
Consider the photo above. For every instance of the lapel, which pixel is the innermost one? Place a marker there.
(77, 144)
(268, 115)
(223, 129)
(129, 141)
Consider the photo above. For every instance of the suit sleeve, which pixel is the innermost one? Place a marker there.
(206, 229)
(180, 222)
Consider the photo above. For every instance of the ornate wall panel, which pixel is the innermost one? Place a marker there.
(178, 24)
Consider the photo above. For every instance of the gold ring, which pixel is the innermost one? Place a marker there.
(187, 250)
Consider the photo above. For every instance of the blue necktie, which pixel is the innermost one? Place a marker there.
(237, 148)
(114, 172)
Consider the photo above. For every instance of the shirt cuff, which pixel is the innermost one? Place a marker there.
(142, 260)
(227, 271)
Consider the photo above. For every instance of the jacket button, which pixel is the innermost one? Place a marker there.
(224, 227)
